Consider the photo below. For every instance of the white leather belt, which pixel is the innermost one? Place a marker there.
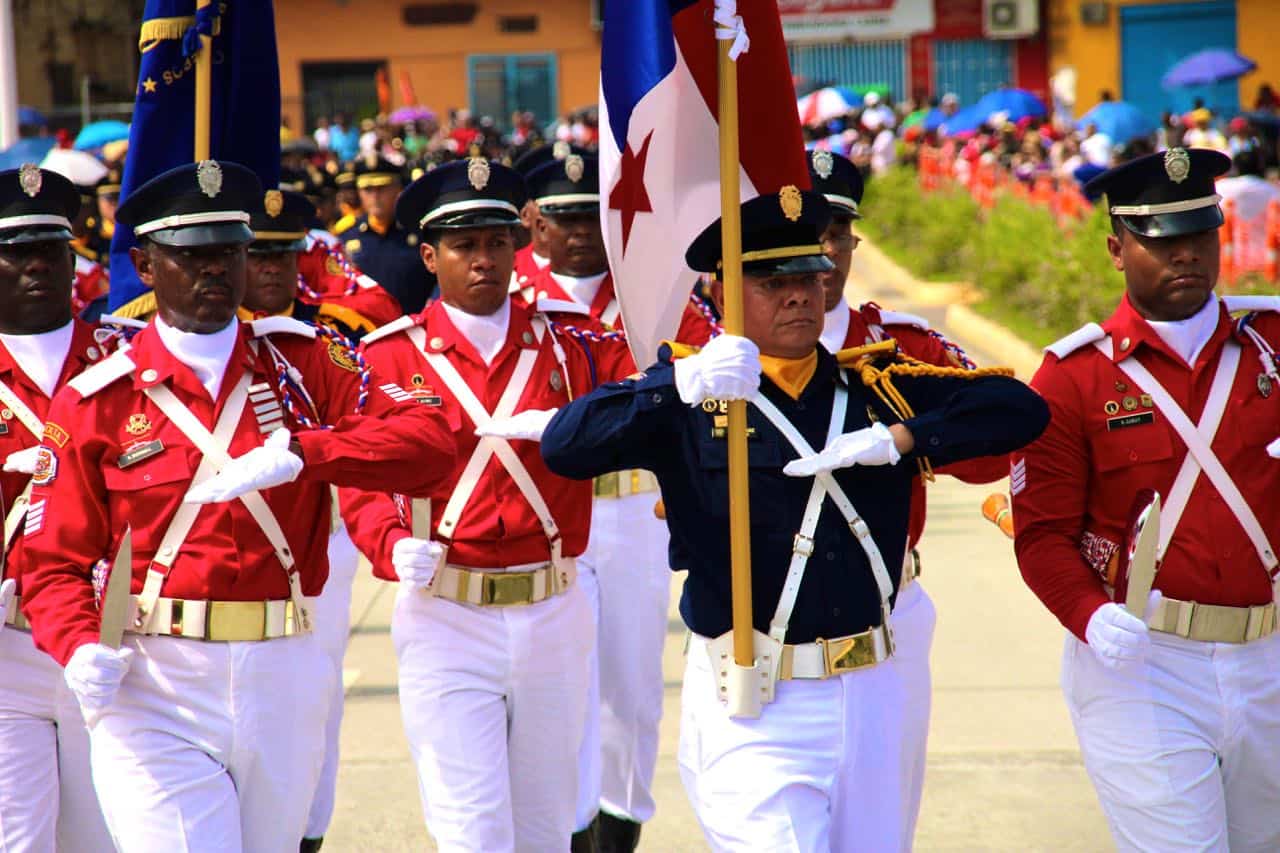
(620, 484)
(1214, 623)
(13, 616)
(224, 621)
(496, 588)
(825, 658)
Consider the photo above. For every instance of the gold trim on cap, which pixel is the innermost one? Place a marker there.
(780, 252)
(279, 235)
(375, 179)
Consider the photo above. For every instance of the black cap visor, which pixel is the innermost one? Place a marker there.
(803, 265)
(33, 234)
(277, 247)
(213, 234)
(1174, 224)
(485, 218)
(571, 209)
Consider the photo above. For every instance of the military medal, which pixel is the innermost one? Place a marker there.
(1129, 403)
(556, 382)
(1111, 407)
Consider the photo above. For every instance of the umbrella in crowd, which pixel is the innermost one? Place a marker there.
(1119, 120)
(825, 104)
(29, 150)
(95, 134)
(27, 115)
(404, 115)
(1207, 66)
(966, 120)
(1012, 104)
(79, 167)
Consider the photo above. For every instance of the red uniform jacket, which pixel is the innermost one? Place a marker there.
(332, 280)
(526, 268)
(1073, 487)
(89, 493)
(497, 527)
(544, 286)
(85, 351)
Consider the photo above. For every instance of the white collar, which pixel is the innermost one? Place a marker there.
(487, 333)
(582, 289)
(206, 355)
(835, 326)
(41, 355)
(1188, 337)
(542, 262)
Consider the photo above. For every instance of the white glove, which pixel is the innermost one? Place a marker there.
(272, 464)
(1119, 638)
(22, 461)
(528, 425)
(94, 674)
(6, 599)
(727, 368)
(415, 561)
(1273, 450)
(870, 446)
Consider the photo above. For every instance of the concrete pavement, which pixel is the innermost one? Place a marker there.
(1004, 771)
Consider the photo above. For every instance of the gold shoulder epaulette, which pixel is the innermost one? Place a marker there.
(852, 356)
(679, 350)
(353, 320)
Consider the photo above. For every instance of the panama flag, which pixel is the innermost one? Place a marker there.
(659, 144)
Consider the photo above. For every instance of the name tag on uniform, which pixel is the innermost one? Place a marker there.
(1130, 420)
(139, 452)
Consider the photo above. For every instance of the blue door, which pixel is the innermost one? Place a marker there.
(970, 68)
(865, 63)
(1154, 38)
(499, 85)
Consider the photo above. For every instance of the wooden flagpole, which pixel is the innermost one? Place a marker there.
(204, 91)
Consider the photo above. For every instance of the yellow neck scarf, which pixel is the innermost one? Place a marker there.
(247, 316)
(790, 374)
(378, 225)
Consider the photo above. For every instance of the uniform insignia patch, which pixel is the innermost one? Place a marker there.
(556, 382)
(138, 452)
(1177, 164)
(266, 408)
(478, 172)
(1146, 400)
(1264, 385)
(30, 179)
(1129, 403)
(417, 380)
(351, 247)
(1111, 407)
(1018, 476)
(35, 517)
(791, 201)
(426, 396)
(823, 163)
(560, 150)
(710, 406)
(395, 392)
(56, 434)
(273, 203)
(7, 414)
(331, 265)
(209, 177)
(138, 424)
(574, 167)
(46, 467)
(1137, 419)
(339, 355)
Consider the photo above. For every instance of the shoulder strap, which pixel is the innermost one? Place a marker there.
(1251, 303)
(21, 411)
(1086, 334)
(281, 325)
(898, 318)
(397, 325)
(102, 374)
(561, 306)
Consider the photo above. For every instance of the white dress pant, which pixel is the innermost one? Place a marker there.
(913, 620)
(627, 553)
(587, 804)
(213, 746)
(1184, 749)
(820, 770)
(47, 801)
(494, 701)
(333, 627)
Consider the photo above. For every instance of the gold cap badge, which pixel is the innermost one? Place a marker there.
(30, 179)
(560, 150)
(574, 167)
(209, 177)
(823, 164)
(478, 172)
(273, 203)
(792, 202)
(1177, 164)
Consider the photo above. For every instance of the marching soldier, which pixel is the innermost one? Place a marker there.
(378, 245)
(624, 568)
(347, 198)
(492, 631)
(822, 766)
(47, 800)
(204, 719)
(1177, 709)
(534, 258)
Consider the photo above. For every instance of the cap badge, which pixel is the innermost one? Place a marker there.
(478, 172)
(209, 177)
(792, 202)
(273, 203)
(1177, 164)
(560, 150)
(823, 163)
(574, 167)
(30, 178)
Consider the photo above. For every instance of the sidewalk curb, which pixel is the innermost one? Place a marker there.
(1009, 349)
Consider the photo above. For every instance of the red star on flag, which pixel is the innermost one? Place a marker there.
(629, 195)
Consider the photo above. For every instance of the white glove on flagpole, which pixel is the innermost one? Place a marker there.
(727, 368)
(94, 674)
(529, 425)
(870, 446)
(1119, 638)
(272, 464)
(6, 599)
(22, 461)
(415, 561)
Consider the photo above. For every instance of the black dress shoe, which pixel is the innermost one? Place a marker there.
(617, 834)
(310, 845)
(584, 841)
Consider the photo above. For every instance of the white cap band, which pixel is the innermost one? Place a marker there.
(464, 206)
(34, 219)
(1168, 207)
(182, 220)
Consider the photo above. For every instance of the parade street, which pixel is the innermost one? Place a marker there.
(1004, 770)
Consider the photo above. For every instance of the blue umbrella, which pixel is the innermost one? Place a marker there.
(1016, 104)
(29, 150)
(99, 133)
(934, 119)
(27, 115)
(1119, 120)
(1207, 66)
(968, 119)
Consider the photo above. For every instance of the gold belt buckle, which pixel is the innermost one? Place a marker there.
(505, 588)
(607, 485)
(845, 654)
(236, 621)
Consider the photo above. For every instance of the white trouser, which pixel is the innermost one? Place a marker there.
(493, 701)
(213, 746)
(628, 549)
(821, 769)
(332, 611)
(1184, 749)
(47, 800)
(913, 620)
(588, 801)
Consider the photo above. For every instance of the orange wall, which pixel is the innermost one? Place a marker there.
(435, 57)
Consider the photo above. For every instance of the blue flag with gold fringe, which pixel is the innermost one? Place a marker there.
(245, 108)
